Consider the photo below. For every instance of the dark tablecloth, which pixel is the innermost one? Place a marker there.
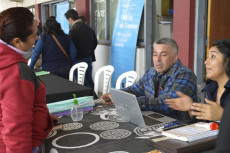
(129, 144)
(58, 88)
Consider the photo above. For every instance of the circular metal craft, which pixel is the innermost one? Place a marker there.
(104, 125)
(99, 111)
(115, 134)
(54, 143)
(103, 110)
(115, 118)
(51, 134)
(149, 131)
(71, 126)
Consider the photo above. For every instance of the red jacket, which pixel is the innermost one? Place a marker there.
(24, 116)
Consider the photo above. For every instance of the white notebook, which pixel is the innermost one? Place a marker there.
(191, 132)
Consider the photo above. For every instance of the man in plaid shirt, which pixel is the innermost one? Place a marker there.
(162, 81)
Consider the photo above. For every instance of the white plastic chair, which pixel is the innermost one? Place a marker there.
(81, 70)
(108, 71)
(130, 77)
(29, 61)
(199, 88)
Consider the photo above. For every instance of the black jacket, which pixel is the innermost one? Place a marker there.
(222, 145)
(210, 92)
(84, 38)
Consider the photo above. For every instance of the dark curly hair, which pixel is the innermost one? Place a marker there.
(52, 27)
(16, 22)
(224, 48)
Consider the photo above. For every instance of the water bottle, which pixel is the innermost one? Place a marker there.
(76, 111)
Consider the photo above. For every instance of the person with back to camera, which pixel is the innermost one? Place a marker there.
(163, 81)
(85, 41)
(53, 58)
(222, 142)
(24, 117)
(216, 94)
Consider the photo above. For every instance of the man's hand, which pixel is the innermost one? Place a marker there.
(107, 99)
(183, 103)
(211, 111)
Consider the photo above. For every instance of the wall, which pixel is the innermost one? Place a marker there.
(158, 6)
(82, 7)
(184, 30)
(5, 4)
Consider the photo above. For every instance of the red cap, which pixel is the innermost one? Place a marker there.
(214, 126)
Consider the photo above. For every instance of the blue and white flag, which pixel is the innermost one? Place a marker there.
(124, 40)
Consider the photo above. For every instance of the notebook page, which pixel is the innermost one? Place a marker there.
(190, 132)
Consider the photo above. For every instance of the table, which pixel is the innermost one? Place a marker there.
(107, 131)
(101, 131)
(58, 88)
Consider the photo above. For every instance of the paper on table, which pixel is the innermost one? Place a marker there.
(190, 132)
(40, 73)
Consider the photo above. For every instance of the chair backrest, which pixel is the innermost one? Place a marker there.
(130, 77)
(199, 88)
(29, 61)
(108, 71)
(81, 70)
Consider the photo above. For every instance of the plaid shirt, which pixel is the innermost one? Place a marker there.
(177, 78)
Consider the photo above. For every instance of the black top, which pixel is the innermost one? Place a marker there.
(222, 145)
(84, 39)
(58, 88)
(210, 92)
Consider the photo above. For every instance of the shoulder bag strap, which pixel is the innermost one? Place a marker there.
(62, 49)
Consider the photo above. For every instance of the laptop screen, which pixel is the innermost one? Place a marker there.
(129, 110)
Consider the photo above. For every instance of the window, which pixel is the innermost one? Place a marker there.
(103, 14)
(103, 17)
(99, 18)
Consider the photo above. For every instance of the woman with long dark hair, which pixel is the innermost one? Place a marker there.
(53, 58)
(216, 94)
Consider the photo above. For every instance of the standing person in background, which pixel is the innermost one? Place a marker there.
(83, 19)
(24, 117)
(85, 41)
(53, 59)
(29, 54)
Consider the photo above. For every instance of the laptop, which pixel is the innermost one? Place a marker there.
(129, 110)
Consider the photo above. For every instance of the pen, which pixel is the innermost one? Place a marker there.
(171, 124)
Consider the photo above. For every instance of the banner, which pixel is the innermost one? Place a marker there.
(62, 8)
(124, 40)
